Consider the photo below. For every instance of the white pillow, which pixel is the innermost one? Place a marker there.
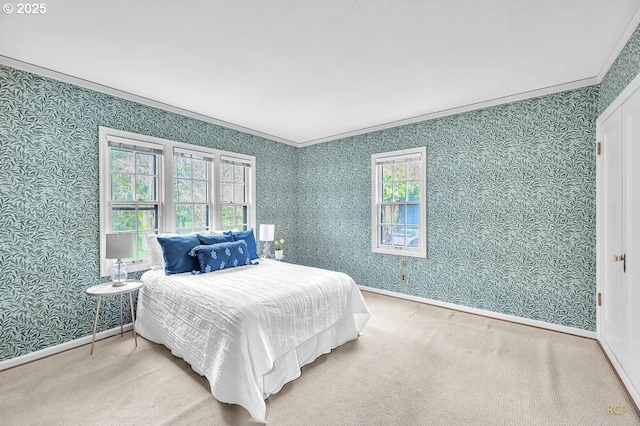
(156, 258)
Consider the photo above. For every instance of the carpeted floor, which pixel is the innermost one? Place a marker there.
(414, 365)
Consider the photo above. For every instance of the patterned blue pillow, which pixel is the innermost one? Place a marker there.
(249, 238)
(215, 257)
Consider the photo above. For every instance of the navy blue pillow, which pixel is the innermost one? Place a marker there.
(175, 251)
(215, 239)
(249, 238)
(215, 257)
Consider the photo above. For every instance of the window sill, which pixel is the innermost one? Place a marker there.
(400, 252)
(105, 271)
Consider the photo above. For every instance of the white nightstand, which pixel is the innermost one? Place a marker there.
(108, 289)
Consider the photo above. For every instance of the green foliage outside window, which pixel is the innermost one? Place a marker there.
(400, 182)
(134, 180)
(190, 194)
(399, 211)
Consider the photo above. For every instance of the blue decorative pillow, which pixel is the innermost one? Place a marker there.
(215, 257)
(249, 238)
(215, 239)
(175, 251)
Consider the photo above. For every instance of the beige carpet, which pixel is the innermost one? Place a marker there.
(414, 365)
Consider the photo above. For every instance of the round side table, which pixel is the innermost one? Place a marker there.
(109, 289)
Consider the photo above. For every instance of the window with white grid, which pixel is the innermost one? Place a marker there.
(398, 202)
(133, 197)
(191, 190)
(152, 185)
(234, 192)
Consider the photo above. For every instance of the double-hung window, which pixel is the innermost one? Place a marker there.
(192, 196)
(150, 185)
(398, 202)
(132, 196)
(234, 193)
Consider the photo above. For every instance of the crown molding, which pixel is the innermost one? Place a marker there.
(24, 66)
(635, 21)
(458, 110)
(46, 72)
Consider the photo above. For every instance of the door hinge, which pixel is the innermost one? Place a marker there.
(599, 299)
(599, 148)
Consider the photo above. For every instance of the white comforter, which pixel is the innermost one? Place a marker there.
(248, 330)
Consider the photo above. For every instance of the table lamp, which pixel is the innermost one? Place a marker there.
(266, 235)
(119, 246)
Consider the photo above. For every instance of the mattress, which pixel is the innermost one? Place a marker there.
(250, 329)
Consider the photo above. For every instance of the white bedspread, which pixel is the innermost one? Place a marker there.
(248, 330)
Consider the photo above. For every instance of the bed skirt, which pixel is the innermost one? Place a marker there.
(285, 368)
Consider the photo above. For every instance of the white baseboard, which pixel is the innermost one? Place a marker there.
(633, 392)
(485, 313)
(13, 362)
(23, 359)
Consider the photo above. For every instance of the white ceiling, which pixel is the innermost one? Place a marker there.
(301, 71)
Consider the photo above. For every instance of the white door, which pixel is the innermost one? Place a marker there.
(611, 313)
(631, 354)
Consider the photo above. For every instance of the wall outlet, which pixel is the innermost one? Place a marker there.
(403, 277)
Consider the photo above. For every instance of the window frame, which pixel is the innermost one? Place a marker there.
(234, 162)
(376, 201)
(209, 157)
(166, 205)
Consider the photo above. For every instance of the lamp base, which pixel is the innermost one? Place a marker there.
(266, 251)
(119, 275)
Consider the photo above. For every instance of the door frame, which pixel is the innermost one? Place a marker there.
(617, 103)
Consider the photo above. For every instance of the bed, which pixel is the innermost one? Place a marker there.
(250, 329)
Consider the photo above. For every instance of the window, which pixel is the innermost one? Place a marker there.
(233, 181)
(398, 202)
(191, 191)
(134, 198)
(152, 185)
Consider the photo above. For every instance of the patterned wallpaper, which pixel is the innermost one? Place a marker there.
(49, 230)
(511, 209)
(511, 203)
(625, 68)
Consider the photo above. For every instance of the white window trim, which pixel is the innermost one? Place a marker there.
(212, 191)
(250, 190)
(376, 247)
(166, 218)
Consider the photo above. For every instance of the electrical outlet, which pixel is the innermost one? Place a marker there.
(403, 261)
(403, 277)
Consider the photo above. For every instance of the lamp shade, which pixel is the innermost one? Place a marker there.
(266, 232)
(119, 246)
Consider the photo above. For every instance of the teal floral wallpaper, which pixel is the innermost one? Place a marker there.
(49, 230)
(625, 68)
(510, 200)
(511, 204)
